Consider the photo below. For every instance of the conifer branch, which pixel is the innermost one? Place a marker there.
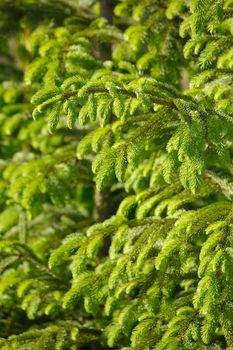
(116, 197)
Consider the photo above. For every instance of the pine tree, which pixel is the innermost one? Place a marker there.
(116, 174)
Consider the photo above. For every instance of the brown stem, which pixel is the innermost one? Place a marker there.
(102, 205)
(103, 199)
(156, 100)
(106, 9)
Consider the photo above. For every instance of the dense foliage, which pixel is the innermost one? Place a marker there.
(116, 176)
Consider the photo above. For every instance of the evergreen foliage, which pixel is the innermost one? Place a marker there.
(116, 174)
